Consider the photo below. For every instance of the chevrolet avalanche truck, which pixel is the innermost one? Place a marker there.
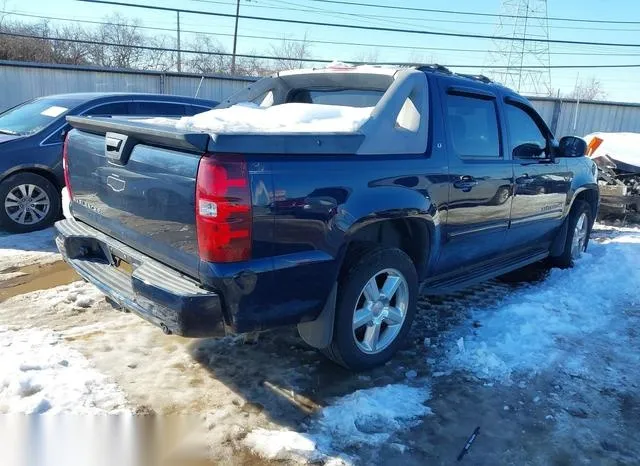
(452, 180)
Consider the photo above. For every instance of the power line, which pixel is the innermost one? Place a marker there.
(469, 13)
(366, 28)
(312, 41)
(406, 18)
(307, 60)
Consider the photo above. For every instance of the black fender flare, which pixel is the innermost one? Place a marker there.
(557, 247)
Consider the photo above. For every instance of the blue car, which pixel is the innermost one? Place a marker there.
(31, 138)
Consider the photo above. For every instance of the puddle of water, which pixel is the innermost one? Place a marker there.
(37, 277)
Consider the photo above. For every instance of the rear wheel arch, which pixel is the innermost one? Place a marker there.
(47, 197)
(37, 170)
(411, 235)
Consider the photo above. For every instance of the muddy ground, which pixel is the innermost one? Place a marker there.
(552, 419)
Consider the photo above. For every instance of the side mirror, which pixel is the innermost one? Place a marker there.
(528, 150)
(572, 146)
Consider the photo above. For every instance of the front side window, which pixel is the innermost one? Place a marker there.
(523, 130)
(472, 123)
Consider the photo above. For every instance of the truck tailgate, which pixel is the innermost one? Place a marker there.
(146, 198)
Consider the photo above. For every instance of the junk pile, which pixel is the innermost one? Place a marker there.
(617, 156)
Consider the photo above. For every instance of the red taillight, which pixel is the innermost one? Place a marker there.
(65, 165)
(223, 209)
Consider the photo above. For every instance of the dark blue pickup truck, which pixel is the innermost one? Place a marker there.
(451, 180)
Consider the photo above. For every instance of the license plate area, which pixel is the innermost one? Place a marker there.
(122, 265)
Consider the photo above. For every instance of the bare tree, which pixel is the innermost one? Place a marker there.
(122, 35)
(368, 56)
(208, 56)
(291, 54)
(3, 13)
(159, 60)
(591, 89)
(27, 43)
(73, 51)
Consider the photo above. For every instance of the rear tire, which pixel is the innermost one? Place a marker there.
(368, 331)
(28, 202)
(578, 232)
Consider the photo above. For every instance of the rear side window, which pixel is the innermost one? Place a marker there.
(159, 109)
(472, 124)
(347, 97)
(195, 109)
(115, 108)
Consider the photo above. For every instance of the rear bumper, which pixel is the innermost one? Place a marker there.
(156, 293)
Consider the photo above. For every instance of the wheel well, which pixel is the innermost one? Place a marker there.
(407, 234)
(590, 196)
(38, 171)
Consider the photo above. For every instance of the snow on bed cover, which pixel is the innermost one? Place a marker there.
(39, 374)
(291, 117)
(363, 418)
(568, 323)
(624, 147)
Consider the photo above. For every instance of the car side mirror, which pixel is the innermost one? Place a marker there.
(528, 150)
(572, 146)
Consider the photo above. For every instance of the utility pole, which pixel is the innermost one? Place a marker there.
(524, 35)
(235, 39)
(179, 57)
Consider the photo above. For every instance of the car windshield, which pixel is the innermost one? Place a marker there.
(30, 117)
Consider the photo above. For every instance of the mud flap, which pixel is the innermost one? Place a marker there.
(319, 333)
(560, 241)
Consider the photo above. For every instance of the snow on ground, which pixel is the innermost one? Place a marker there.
(563, 323)
(364, 418)
(291, 117)
(39, 374)
(47, 307)
(27, 249)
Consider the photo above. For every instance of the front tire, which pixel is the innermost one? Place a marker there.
(28, 202)
(579, 229)
(377, 299)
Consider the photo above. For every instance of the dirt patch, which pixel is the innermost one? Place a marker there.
(21, 280)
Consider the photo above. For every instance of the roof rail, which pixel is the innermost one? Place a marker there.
(434, 67)
(477, 77)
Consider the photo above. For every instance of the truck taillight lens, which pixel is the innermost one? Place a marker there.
(223, 209)
(65, 164)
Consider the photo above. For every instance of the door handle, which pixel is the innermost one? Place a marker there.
(465, 183)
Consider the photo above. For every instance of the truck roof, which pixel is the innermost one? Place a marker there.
(392, 70)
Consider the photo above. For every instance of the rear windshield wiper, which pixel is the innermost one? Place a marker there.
(8, 131)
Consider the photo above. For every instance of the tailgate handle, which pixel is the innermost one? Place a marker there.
(113, 144)
(118, 147)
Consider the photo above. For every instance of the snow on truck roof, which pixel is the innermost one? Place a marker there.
(340, 67)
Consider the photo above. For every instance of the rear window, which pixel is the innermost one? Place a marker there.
(346, 97)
